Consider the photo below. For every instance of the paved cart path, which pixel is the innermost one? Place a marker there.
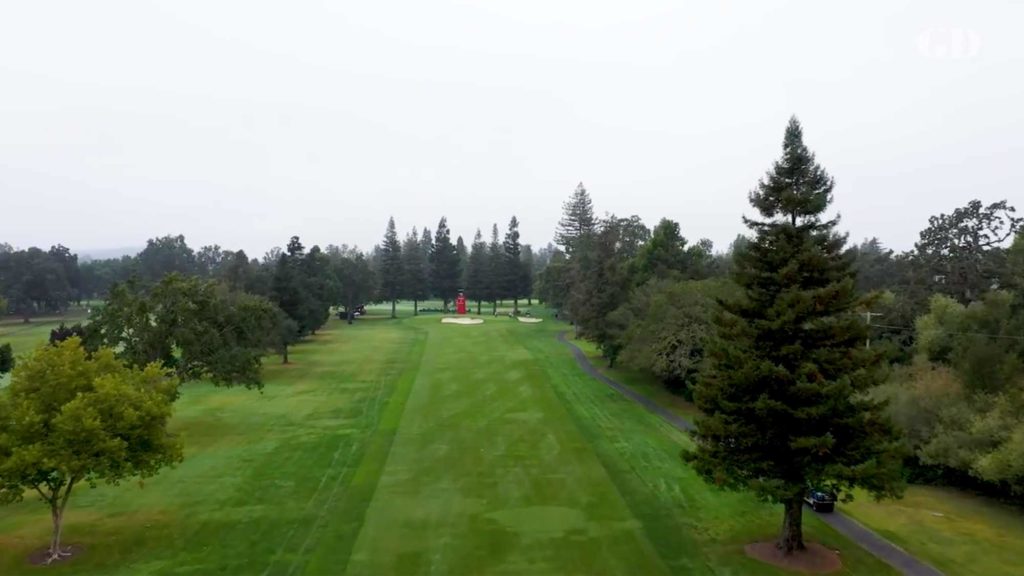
(855, 531)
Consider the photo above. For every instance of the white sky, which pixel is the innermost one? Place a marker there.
(243, 123)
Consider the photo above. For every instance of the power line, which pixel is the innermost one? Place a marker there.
(909, 329)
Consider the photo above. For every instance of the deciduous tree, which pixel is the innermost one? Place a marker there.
(69, 418)
(166, 255)
(961, 253)
(196, 327)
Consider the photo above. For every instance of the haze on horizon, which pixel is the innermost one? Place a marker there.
(245, 123)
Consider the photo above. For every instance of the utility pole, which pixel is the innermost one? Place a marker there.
(867, 320)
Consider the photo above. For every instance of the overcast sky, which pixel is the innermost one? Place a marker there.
(244, 123)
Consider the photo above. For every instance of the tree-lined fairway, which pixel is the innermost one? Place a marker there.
(412, 447)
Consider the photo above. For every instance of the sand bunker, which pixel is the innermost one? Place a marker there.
(530, 320)
(465, 321)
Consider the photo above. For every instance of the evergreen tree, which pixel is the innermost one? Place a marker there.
(577, 220)
(495, 273)
(463, 254)
(667, 255)
(417, 272)
(321, 287)
(302, 286)
(553, 279)
(512, 277)
(391, 273)
(476, 271)
(357, 281)
(444, 264)
(526, 274)
(600, 285)
(427, 247)
(785, 402)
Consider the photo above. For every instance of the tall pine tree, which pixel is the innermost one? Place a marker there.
(427, 248)
(785, 401)
(444, 264)
(495, 270)
(476, 271)
(577, 220)
(512, 267)
(391, 272)
(462, 251)
(416, 271)
(526, 274)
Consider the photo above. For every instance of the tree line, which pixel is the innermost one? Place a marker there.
(426, 265)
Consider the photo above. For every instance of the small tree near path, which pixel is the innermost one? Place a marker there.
(68, 419)
(6, 359)
(785, 402)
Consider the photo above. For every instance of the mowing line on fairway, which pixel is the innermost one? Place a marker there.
(393, 393)
(641, 490)
(341, 534)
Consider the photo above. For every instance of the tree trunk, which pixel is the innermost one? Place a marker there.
(529, 300)
(515, 306)
(284, 354)
(792, 537)
(57, 506)
(393, 309)
(415, 307)
(494, 308)
(58, 521)
(478, 304)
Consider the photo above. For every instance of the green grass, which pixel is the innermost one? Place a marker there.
(640, 381)
(412, 447)
(957, 532)
(24, 337)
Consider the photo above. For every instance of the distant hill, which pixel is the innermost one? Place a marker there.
(107, 253)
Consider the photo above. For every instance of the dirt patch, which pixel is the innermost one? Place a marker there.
(40, 557)
(817, 559)
(530, 320)
(463, 321)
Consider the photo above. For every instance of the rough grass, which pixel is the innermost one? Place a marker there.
(412, 447)
(955, 531)
(642, 382)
